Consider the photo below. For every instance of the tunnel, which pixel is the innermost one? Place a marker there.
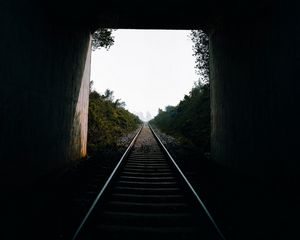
(45, 74)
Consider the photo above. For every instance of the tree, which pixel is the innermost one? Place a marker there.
(91, 84)
(169, 108)
(201, 52)
(102, 37)
(109, 95)
(119, 103)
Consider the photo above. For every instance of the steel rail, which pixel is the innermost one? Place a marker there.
(188, 183)
(106, 184)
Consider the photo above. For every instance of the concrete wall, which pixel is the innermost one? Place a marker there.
(44, 78)
(255, 93)
(77, 147)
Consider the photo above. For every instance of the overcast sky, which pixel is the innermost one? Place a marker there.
(147, 69)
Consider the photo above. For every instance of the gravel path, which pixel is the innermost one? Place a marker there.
(145, 142)
(123, 142)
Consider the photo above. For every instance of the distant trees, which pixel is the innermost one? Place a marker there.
(189, 121)
(107, 121)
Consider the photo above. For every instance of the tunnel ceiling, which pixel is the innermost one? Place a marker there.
(154, 14)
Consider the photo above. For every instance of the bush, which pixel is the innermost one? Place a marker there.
(189, 121)
(108, 120)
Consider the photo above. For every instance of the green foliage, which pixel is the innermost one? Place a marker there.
(102, 37)
(201, 52)
(189, 121)
(107, 121)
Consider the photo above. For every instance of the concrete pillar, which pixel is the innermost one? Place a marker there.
(255, 93)
(44, 78)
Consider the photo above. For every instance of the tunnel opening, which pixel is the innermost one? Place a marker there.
(149, 70)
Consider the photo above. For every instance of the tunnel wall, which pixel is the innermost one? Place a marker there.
(44, 77)
(78, 142)
(255, 91)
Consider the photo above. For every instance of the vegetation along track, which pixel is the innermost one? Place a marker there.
(147, 197)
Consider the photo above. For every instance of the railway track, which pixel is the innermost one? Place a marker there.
(147, 197)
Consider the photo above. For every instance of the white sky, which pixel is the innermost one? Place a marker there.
(147, 69)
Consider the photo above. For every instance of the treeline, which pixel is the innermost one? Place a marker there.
(189, 121)
(108, 120)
